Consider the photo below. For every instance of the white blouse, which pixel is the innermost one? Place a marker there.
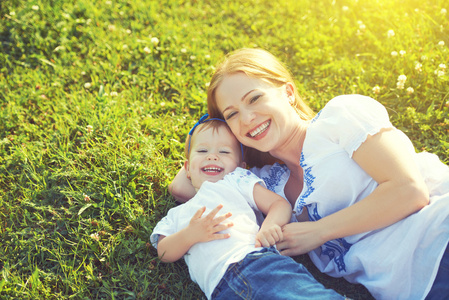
(396, 262)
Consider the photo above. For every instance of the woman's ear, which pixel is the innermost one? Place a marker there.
(187, 167)
(290, 91)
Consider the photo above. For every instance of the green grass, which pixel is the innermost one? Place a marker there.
(93, 115)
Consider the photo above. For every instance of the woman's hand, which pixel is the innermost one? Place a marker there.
(300, 238)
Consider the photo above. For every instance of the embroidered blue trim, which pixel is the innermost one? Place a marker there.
(316, 117)
(273, 179)
(335, 249)
(308, 181)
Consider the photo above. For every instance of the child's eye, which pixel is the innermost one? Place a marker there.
(225, 151)
(201, 151)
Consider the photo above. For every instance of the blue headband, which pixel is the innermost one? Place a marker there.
(202, 120)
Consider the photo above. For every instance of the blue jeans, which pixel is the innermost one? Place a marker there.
(266, 274)
(440, 287)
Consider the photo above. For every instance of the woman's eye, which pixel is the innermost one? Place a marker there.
(230, 115)
(254, 99)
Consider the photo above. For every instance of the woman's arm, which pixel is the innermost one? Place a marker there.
(401, 192)
(181, 187)
(278, 213)
(200, 229)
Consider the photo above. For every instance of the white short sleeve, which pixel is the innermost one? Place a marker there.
(351, 118)
(165, 227)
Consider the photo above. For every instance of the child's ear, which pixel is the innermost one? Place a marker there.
(187, 167)
(243, 165)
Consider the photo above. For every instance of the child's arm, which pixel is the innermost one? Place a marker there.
(181, 187)
(173, 247)
(278, 213)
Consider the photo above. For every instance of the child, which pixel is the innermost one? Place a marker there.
(229, 256)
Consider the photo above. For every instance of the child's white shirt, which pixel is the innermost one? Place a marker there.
(209, 261)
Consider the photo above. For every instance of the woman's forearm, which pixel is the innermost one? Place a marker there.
(389, 203)
(181, 187)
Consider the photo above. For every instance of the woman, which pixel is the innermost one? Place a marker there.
(373, 210)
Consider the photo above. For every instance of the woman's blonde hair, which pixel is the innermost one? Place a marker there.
(261, 64)
(256, 63)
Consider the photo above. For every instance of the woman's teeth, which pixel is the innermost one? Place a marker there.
(260, 129)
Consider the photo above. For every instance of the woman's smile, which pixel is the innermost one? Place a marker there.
(259, 131)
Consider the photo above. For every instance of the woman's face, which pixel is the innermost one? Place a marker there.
(259, 115)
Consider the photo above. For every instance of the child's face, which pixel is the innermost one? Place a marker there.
(213, 154)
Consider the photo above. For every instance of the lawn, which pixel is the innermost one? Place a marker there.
(96, 98)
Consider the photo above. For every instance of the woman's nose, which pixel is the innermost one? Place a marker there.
(247, 117)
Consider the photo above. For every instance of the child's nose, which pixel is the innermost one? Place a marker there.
(212, 156)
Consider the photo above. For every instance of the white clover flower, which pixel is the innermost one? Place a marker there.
(83, 73)
(441, 44)
(440, 73)
(207, 84)
(12, 13)
(345, 8)
(418, 67)
(442, 66)
(88, 85)
(125, 47)
(35, 7)
(114, 94)
(402, 52)
(376, 89)
(173, 58)
(155, 41)
(402, 78)
(147, 50)
(192, 57)
(443, 11)
(400, 85)
(89, 128)
(111, 27)
(128, 31)
(95, 236)
(394, 53)
(390, 33)
(207, 56)
(162, 104)
(178, 74)
(108, 2)
(424, 57)
(410, 90)
(362, 26)
(183, 50)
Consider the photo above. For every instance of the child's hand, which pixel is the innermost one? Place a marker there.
(204, 229)
(267, 237)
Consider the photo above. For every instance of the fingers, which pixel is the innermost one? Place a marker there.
(269, 237)
(212, 214)
(199, 213)
(222, 227)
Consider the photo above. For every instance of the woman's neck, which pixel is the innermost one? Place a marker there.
(290, 151)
